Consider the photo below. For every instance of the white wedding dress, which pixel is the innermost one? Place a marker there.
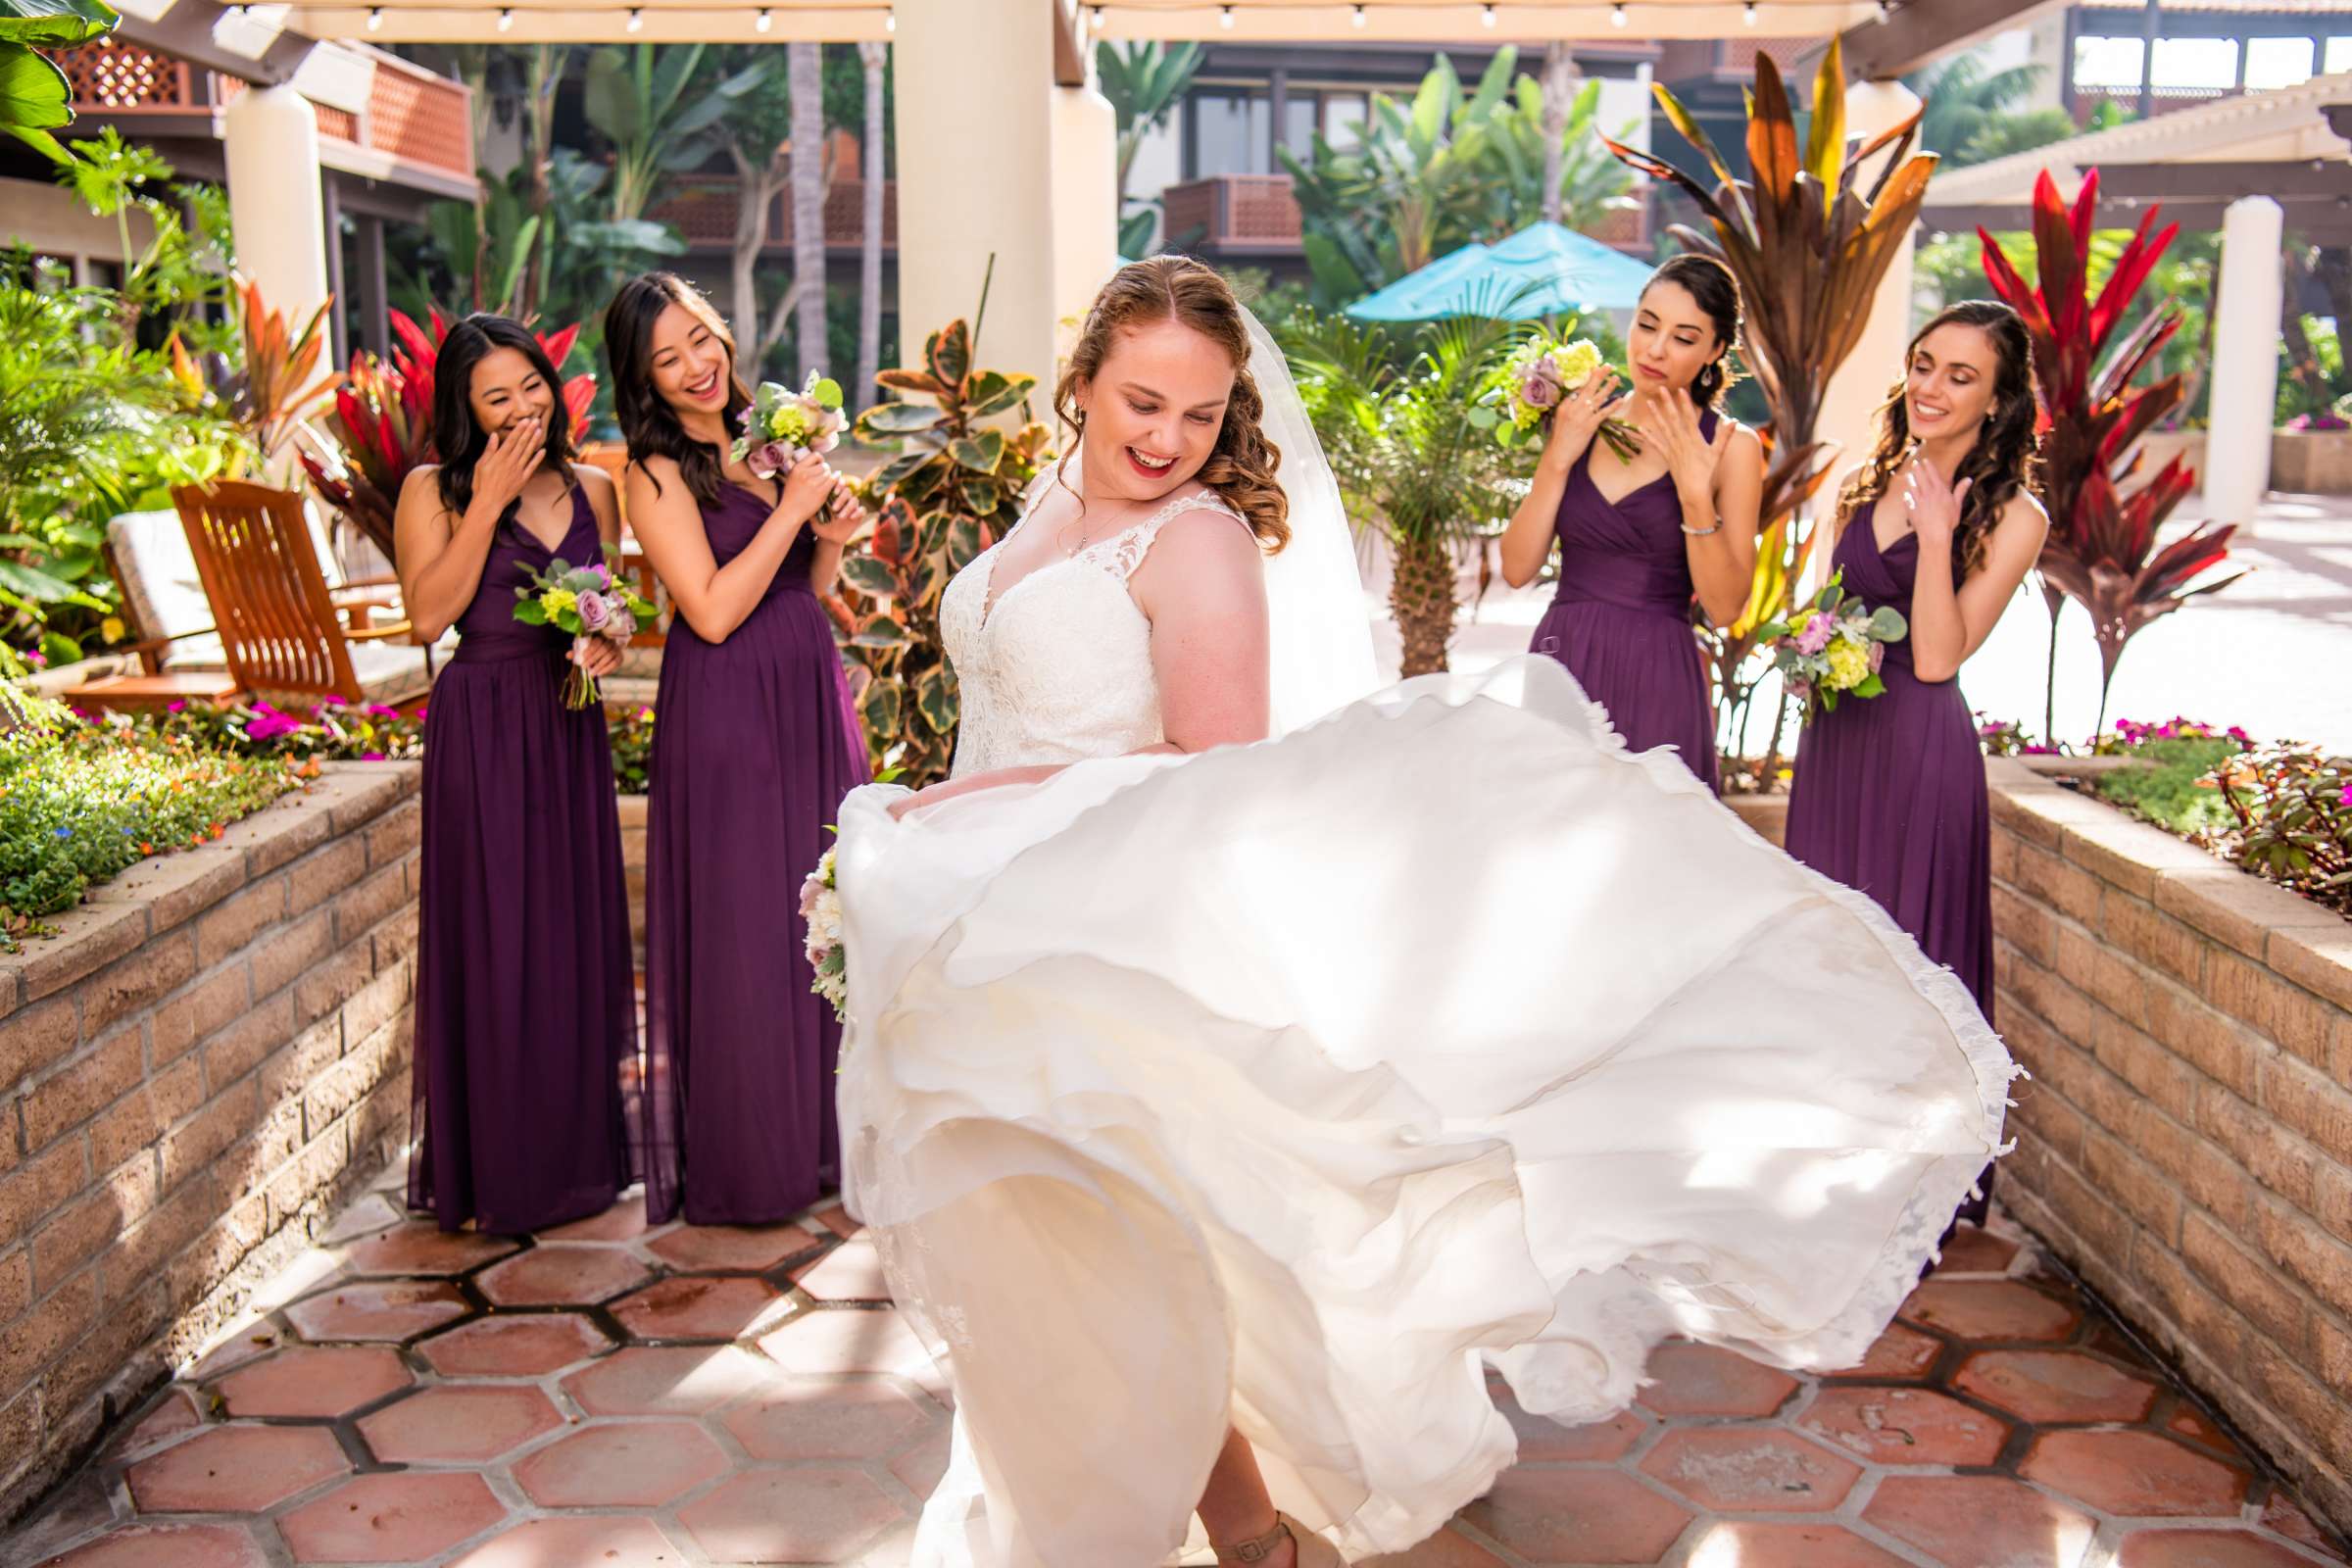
(1290, 1084)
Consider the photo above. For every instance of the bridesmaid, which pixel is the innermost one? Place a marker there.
(757, 744)
(1641, 539)
(1940, 522)
(527, 1018)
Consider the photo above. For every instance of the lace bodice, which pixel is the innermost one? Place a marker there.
(1059, 670)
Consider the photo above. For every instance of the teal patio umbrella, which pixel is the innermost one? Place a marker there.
(1544, 270)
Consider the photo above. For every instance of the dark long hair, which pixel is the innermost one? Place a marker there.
(648, 424)
(2007, 455)
(458, 436)
(1709, 282)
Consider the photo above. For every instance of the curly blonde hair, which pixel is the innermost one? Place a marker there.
(1177, 288)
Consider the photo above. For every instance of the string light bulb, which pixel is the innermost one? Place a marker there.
(765, 20)
(1358, 18)
(636, 18)
(376, 19)
(890, 20)
(1885, 10)
(1225, 18)
(1748, 14)
(1617, 15)
(1486, 14)
(506, 20)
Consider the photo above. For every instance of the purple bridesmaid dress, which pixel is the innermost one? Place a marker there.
(1889, 793)
(1621, 620)
(756, 745)
(526, 1022)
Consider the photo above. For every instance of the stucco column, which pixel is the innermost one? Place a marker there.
(277, 204)
(976, 116)
(1850, 407)
(2245, 360)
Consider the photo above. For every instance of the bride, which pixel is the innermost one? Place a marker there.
(1240, 1060)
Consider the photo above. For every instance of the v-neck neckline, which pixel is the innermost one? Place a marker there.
(992, 601)
(572, 508)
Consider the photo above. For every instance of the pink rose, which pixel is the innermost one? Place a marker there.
(1539, 387)
(595, 610)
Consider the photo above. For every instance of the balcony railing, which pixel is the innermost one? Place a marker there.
(1234, 215)
(2085, 101)
(704, 211)
(411, 114)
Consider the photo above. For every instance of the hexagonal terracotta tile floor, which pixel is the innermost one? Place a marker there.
(701, 1307)
(312, 1380)
(777, 1417)
(622, 1464)
(458, 1423)
(391, 1518)
(524, 1344)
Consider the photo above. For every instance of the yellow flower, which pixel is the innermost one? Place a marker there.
(1849, 665)
(1576, 361)
(111, 628)
(555, 601)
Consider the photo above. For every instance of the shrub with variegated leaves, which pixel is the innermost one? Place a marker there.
(952, 490)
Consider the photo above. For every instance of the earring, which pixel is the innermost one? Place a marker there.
(1080, 418)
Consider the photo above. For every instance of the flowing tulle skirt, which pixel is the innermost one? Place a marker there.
(1290, 1084)
(753, 749)
(527, 1018)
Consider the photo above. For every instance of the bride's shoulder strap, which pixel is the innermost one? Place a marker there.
(1126, 552)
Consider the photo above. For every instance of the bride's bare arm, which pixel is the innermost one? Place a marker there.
(1203, 589)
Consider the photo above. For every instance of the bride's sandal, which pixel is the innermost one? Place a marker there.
(1311, 1549)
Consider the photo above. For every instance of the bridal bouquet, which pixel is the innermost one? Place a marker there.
(783, 426)
(820, 912)
(1520, 397)
(588, 602)
(1833, 647)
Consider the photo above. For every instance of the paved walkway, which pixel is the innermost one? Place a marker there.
(610, 1396)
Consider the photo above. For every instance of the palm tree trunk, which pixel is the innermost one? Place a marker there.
(807, 75)
(869, 256)
(1559, 94)
(1421, 599)
(752, 193)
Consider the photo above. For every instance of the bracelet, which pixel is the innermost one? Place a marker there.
(1702, 533)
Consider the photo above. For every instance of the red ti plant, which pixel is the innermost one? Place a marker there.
(383, 423)
(2101, 551)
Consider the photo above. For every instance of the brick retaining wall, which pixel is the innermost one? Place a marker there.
(194, 1071)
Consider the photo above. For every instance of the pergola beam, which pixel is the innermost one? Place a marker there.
(597, 21)
(206, 36)
(1459, 22)
(1919, 32)
(2227, 181)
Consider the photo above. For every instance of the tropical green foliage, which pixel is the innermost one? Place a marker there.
(647, 103)
(1146, 83)
(1414, 451)
(178, 282)
(1420, 180)
(35, 98)
(952, 491)
(90, 426)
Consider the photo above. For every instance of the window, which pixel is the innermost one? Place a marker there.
(1231, 132)
(2210, 63)
(2339, 54)
(2278, 61)
(1299, 115)
(2107, 62)
(1343, 113)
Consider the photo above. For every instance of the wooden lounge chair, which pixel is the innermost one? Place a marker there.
(279, 630)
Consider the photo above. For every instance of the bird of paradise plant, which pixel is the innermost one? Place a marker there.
(383, 423)
(2101, 551)
(1808, 245)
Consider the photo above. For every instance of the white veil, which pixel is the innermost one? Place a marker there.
(1321, 634)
